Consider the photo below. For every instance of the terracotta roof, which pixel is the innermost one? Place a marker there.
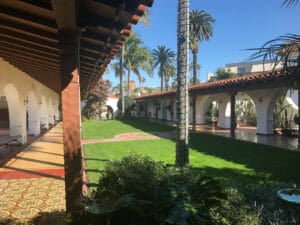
(238, 83)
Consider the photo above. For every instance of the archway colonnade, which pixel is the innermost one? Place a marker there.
(164, 108)
(31, 105)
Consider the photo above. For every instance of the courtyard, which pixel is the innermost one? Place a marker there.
(222, 157)
(103, 122)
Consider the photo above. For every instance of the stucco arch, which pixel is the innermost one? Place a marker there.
(50, 111)
(264, 101)
(33, 109)
(17, 112)
(44, 113)
(202, 104)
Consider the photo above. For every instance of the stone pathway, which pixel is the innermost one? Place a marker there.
(32, 183)
(132, 136)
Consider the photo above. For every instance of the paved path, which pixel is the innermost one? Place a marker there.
(32, 183)
(132, 136)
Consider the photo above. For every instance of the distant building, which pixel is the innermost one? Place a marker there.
(131, 86)
(251, 67)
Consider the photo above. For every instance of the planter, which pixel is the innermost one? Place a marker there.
(288, 132)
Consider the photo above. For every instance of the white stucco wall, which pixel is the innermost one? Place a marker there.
(23, 93)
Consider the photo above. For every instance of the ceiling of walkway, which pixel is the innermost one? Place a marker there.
(33, 34)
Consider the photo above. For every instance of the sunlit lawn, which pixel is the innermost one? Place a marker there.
(232, 160)
(107, 129)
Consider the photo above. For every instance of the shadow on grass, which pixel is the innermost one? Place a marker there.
(43, 218)
(146, 125)
(279, 164)
(267, 162)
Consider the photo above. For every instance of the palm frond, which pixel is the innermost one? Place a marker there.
(201, 27)
(283, 50)
(289, 3)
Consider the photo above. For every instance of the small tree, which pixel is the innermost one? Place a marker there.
(96, 99)
(222, 74)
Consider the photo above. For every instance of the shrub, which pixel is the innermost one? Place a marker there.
(138, 190)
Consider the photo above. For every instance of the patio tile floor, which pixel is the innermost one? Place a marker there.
(32, 183)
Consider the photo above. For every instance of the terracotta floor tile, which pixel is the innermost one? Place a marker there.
(32, 183)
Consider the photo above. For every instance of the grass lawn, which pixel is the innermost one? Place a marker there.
(232, 160)
(107, 129)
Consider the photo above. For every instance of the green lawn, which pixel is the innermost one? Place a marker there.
(232, 160)
(108, 129)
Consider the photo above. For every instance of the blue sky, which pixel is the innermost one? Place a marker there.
(240, 24)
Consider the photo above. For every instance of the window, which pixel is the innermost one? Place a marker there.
(241, 70)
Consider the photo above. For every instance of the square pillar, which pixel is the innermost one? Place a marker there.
(232, 115)
(70, 94)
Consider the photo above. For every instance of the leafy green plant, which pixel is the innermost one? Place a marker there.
(281, 116)
(138, 190)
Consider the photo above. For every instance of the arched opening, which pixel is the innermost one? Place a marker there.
(110, 112)
(4, 116)
(245, 111)
(44, 118)
(285, 115)
(17, 113)
(212, 113)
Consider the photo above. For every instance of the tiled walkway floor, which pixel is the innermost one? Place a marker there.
(32, 184)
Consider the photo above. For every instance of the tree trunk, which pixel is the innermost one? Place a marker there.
(166, 83)
(195, 62)
(161, 79)
(182, 145)
(128, 84)
(195, 52)
(121, 81)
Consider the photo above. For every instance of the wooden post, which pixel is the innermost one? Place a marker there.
(70, 93)
(232, 115)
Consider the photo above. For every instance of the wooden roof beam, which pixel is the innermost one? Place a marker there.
(23, 48)
(30, 62)
(23, 17)
(28, 39)
(29, 31)
(30, 55)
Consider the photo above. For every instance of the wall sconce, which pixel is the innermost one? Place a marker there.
(26, 101)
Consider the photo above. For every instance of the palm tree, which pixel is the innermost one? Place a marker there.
(169, 72)
(201, 29)
(136, 58)
(161, 57)
(284, 49)
(182, 96)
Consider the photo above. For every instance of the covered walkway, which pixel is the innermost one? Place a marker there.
(32, 183)
(249, 134)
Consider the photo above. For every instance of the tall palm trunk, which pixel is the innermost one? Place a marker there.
(162, 78)
(128, 82)
(195, 63)
(121, 81)
(182, 145)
